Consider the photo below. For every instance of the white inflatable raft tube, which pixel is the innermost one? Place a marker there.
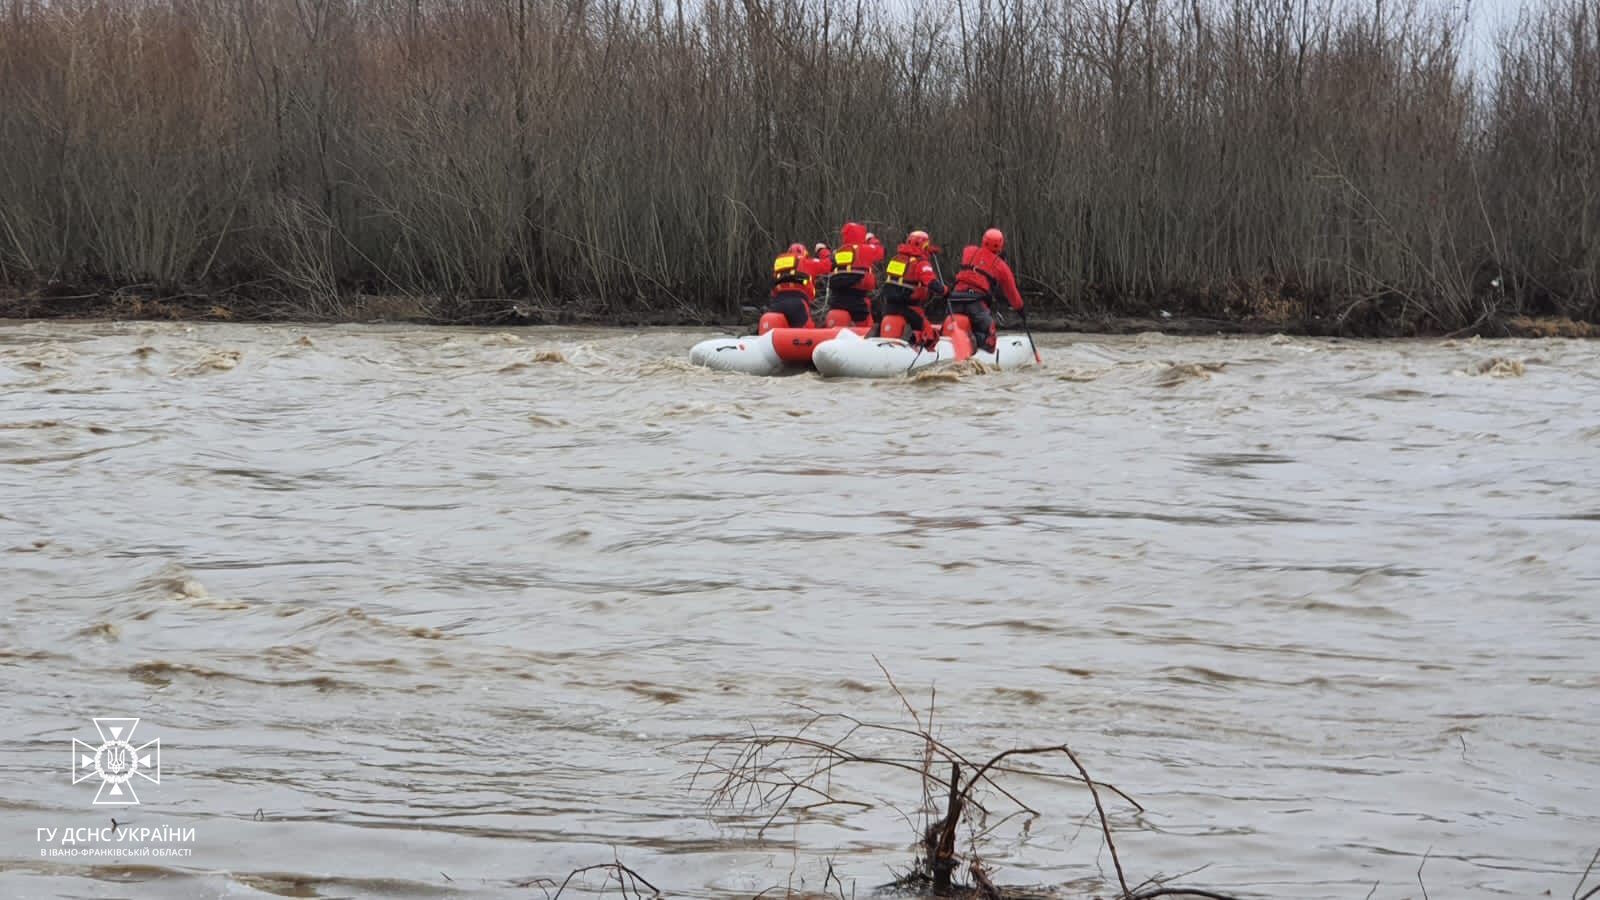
(751, 355)
(851, 356)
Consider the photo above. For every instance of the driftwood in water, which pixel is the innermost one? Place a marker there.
(791, 774)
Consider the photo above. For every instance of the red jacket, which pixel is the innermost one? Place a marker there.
(983, 272)
(798, 274)
(908, 270)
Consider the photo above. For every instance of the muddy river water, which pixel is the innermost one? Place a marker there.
(433, 613)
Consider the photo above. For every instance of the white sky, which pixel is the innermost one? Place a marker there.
(1486, 19)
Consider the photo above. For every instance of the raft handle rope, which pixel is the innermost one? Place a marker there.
(827, 301)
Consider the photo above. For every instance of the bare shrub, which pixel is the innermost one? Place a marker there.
(620, 157)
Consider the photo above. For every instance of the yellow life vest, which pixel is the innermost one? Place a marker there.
(895, 271)
(844, 260)
(785, 270)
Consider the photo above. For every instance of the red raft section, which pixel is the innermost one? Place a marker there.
(794, 345)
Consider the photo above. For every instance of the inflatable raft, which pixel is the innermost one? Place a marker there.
(772, 353)
(853, 356)
(841, 351)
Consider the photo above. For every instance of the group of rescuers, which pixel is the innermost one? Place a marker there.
(911, 280)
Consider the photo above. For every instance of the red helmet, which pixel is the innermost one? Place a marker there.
(853, 233)
(797, 249)
(993, 240)
(918, 239)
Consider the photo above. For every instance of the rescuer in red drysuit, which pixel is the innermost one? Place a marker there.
(984, 278)
(794, 285)
(909, 282)
(853, 282)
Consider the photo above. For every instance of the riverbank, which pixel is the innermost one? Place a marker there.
(274, 165)
(137, 305)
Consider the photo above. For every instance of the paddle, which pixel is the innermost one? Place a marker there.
(939, 271)
(1023, 311)
(933, 255)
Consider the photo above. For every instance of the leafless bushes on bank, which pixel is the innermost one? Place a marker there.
(1278, 161)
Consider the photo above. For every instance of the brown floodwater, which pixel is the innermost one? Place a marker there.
(427, 612)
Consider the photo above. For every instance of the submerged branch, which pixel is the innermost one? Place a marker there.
(770, 771)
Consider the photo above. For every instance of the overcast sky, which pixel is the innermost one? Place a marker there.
(1487, 17)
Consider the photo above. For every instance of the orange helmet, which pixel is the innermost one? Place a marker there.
(797, 249)
(918, 239)
(993, 240)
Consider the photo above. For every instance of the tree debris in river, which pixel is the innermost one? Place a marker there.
(629, 882)
(792, 773)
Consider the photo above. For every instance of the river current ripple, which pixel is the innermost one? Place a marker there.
(438, 612)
